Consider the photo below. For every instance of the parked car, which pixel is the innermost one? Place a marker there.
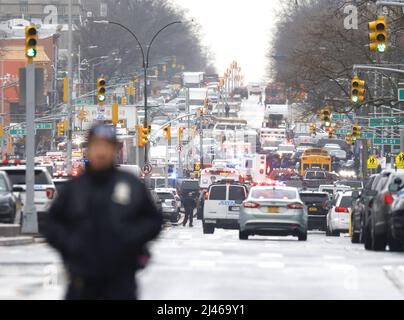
(397, 215)
(273, 211)
(170, 204)
(360, 210)
(45, 190)
(9, 203)
(379, 223)
(317, 208)
(222, 206)
(338, 218)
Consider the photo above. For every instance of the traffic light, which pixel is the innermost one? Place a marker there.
(167, 133)
(180, 134)
(378, 35)
(356, 132)
(31, 40)
(348, 139)
(145, 136)
(326, 118)
(330, 132)
(115, 114)
(61, 129)
(197, 166)
(358, 90)
(313, 129)
(124, 101)
(140, 136)
(101, 90)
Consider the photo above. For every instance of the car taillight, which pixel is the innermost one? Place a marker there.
(50, 193)
(388, 198)
(262, 171)
(295, 206)
(251, 205)
(341, 210)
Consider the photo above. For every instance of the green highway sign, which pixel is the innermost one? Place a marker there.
(44, 126)
(401, 94)
(388, 141)
(84, 101)
(17, 132)
(385, 122)
(342, 116)
(342, 131)
(367, 135)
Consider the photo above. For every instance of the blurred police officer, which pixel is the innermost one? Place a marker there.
(100, 223)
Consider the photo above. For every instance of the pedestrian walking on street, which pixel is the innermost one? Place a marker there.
(189, 206)
(100, 223)
(260, 99)
(227, 109)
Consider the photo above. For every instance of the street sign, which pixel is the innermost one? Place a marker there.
(367, 135)
(147, 169)
(400, 161)
(342, 116)
(342, 131)
(388, 141)
(17, 132)
(401, 94)
(385, 122)
(179, 148)
(44, 126)
(373, 163)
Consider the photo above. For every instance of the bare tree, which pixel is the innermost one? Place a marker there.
(312, 48)
(145, 18)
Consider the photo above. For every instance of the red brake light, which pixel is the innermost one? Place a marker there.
(262, 171)
(50, 193)
(341, 210)
(251, 205)
(388, 198)
(295, 206)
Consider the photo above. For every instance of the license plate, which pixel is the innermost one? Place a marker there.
(313, 209)
(210, 221)
(224, 174)
(273, 210)
(234, 208)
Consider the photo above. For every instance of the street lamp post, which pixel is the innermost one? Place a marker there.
(145, 64)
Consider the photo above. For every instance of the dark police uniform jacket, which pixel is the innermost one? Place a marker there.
(100, 224)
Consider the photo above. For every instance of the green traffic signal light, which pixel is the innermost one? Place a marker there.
(101, 98)
(31, 53)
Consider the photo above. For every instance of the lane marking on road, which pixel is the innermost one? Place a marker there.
(202, 264)
(271, 255)
(271, 265)
(333, 257)
(208, 253)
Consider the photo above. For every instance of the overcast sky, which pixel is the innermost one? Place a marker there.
(235, 30)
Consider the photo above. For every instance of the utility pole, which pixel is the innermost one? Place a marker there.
(70, 87)
(30, 219)
(3, 109)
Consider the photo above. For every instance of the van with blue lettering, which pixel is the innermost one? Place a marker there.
(222, 206)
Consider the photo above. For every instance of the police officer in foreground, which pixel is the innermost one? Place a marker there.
(100, 224)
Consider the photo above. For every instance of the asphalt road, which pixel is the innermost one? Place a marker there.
(189, 265)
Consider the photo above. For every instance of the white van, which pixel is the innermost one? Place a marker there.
(222, 206)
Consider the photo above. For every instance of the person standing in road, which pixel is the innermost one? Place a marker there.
(227, 110)
(100, 223)
(189, 206)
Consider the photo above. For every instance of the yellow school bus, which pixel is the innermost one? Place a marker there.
(315, 159)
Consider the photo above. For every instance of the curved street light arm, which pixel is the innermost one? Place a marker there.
(136, 38)
(154, 38)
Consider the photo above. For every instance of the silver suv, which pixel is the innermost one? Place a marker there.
(45, 190)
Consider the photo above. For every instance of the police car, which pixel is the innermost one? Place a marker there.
(222, 205)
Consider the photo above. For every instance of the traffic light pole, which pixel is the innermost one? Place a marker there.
(30, 218)
(70, 88)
